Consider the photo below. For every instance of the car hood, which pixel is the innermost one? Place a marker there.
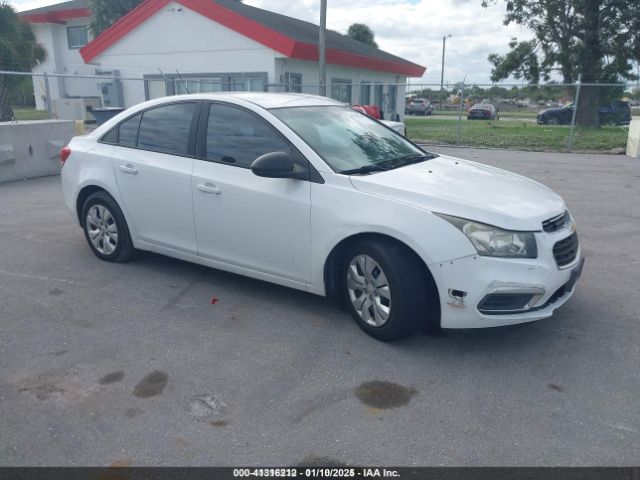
(468, 190)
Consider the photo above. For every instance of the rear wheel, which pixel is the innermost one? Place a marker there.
(385, 289)
(105, 228)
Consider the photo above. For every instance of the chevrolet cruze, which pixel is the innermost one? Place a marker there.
(305, 192)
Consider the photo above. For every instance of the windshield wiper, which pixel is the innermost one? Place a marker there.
(364, 170)
(409, 159)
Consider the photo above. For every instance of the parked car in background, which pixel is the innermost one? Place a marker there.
(616, 113)
(482, 111)
(305, 192)
(419, 106)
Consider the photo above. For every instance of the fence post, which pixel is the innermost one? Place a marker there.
(573, 116)
(47, 92)
(460, 113)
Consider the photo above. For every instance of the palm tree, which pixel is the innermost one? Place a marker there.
(19, 51)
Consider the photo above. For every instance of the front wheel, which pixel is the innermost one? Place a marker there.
(105, 228)
(386, 289)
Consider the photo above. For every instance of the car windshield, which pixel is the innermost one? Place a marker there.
(350, 142)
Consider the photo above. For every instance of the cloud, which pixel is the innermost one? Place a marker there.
(412, 29)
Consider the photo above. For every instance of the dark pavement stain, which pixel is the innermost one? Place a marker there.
(151, 385)
(382, 395)
(60, 353)
(110, 378)
(314, 461)
(219, 423)
(133, 412)
(555, 387)
(55, 292)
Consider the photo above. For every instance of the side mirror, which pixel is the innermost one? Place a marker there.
(275, 165)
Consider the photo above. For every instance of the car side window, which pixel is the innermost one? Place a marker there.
(166, 129)
(111, 136)
(128, 131)
(237, 137)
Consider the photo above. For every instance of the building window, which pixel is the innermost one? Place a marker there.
(393, 96)
(379, 96)
(341, 90)
(365, 93)
(78, 37)
(293, 82)
(174, 84)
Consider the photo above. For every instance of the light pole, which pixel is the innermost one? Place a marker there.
(322, 47)
(444, 46)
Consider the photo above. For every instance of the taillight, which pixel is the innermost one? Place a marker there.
(64, 154)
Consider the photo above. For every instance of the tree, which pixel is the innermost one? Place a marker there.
(19, 51)
(599, 39)
(362, 33)
(108, 12)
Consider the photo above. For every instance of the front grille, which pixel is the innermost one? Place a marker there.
(566, 251)
(556, 223)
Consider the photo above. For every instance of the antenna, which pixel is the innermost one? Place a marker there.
(183, 82)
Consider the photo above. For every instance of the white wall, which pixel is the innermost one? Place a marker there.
(177, 38)
(310, 81)
(62, 60)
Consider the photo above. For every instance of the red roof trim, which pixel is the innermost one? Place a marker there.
(309, 51)
(243, 25)
(57, 17)
(249, 28)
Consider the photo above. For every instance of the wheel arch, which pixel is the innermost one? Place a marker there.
(84, 193)
(332, 280)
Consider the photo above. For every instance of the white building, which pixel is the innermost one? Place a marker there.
(210, 45)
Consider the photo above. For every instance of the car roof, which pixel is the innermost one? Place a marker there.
(262, 99)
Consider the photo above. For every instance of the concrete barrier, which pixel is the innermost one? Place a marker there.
(633, 144)
(32, 149)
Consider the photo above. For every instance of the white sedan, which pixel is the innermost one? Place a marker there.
(305, 192)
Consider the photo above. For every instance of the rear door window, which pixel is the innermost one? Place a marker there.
(166, 129)
(128, 131)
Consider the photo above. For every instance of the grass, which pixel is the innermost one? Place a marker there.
(514, 114)
(30, 114)
(514, 135)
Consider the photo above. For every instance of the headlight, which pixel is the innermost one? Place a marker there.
(492, 241)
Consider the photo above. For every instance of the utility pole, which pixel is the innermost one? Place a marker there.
(444, 45)
(322, 43)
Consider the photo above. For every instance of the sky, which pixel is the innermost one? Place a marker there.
(412, 29)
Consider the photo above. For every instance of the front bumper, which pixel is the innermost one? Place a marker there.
(464, 283)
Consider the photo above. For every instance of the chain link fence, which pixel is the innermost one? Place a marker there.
(513, 116)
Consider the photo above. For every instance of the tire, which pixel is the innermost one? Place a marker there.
(553, 121)
(397, 310)
(105, 228)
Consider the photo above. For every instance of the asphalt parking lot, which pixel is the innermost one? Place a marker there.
(160, 362)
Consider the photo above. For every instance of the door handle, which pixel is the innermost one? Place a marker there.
(129, 169)
(209, 188)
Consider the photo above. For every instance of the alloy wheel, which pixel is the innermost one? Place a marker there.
(369, 290)
(102, 229)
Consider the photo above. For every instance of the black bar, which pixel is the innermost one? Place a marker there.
(224, 473)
